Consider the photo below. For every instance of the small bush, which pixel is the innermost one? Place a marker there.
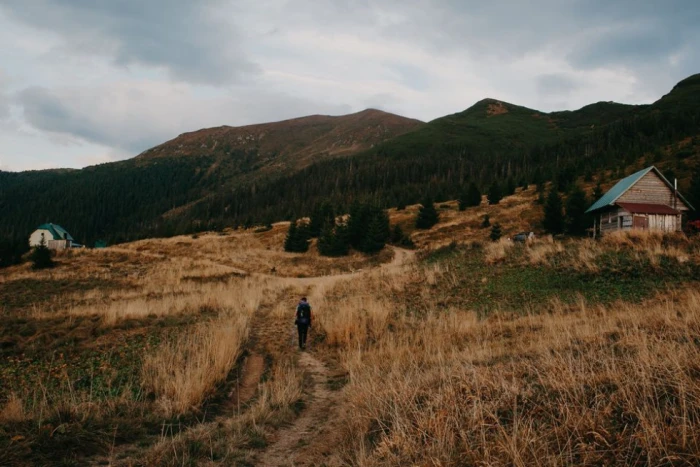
(41, 257)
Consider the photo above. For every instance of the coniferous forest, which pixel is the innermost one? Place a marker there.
(453, 157)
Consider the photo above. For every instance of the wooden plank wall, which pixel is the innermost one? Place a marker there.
(610, 221)
(622, 220)
(58, 244)
(651, 189)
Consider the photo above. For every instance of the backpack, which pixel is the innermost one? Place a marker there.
(304, 314)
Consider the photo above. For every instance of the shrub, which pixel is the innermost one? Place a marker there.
(41, 256)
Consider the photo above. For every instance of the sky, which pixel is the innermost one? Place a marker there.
(84, 82)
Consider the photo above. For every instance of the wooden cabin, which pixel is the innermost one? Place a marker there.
(645, 200)
(54, 237)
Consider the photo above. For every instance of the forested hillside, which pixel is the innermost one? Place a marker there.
(224, 176)
(491, 141)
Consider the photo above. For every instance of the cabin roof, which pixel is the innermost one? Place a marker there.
(625, 184)
(57, 232)
(648, 208)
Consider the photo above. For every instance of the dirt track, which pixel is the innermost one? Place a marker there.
(309, 440)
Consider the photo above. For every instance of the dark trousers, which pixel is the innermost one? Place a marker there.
(303, 330)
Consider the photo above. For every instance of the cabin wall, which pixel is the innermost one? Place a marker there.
(664, 222)
(620, 219)
(610, 221)
(651, 189)
(59, 244)
(35, 237)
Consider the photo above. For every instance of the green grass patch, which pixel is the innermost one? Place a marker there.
(514, 285)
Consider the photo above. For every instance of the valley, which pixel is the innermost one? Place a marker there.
(182, 350)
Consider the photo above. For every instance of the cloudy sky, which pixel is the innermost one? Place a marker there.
(84, 82)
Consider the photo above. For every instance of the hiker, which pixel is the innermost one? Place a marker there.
(303, 321)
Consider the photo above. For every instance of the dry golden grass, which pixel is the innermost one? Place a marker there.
(515, 213)
(13, 410)
(572, 383)
(230, 441)
(184, 371)
(498, 251)
(616, 385)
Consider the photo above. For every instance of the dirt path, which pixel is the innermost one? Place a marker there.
(252, 371)
(401, 258)
(310, 440)
(303, 443)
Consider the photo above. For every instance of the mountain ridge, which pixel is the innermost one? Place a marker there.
(209, 178)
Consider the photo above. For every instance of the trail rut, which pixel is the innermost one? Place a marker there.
(303, 443)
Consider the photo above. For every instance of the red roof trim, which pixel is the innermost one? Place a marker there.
(646, 208)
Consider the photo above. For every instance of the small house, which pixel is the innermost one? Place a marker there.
(645, 200)
(54, 236)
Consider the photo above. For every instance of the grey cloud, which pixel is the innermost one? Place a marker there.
(4, 106)
(133, 118)
(639, 37)
(636, 34)
(555, 83)
(189, 39)
(61, 114)
(4, 99)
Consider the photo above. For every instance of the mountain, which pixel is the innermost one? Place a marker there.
(124, 200)
(227, 176)
(289, 144)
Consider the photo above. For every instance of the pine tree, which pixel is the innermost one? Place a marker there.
(463, 199)
(397, 235)
(597, 192)
(576, 217)
(333, 240)
(470, 196)
(303, 237)
(486, 222)
(291, 239)
(376, 235)
(41, 256)
(341, 246)
(383, 220)
(297, 240)
(496, 232)
(540, 193)
(510, 187)
(553, 216)
(322, 214)
(494, 195)
(427, 215)
(357, 224)
(326, 240)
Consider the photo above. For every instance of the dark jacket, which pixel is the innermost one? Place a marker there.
(303, 314)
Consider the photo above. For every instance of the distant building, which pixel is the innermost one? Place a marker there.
(645, 200)
(55, 237)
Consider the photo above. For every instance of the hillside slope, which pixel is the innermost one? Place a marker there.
(288, 144)
(126, 199)
(228, 176)
(491, 141)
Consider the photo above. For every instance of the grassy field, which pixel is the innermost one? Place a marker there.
(465, 352)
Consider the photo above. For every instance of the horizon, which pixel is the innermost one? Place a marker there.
(84, 84)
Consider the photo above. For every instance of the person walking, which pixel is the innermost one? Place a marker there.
(303, 321)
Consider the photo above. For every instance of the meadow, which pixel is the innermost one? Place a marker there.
(464, 351)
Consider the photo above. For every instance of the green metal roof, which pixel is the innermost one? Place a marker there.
(57, 232)
(625, 184)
